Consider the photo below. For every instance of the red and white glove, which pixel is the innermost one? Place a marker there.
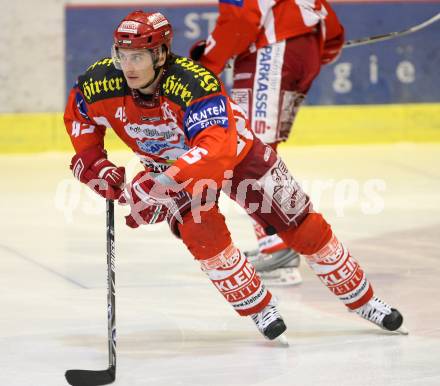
(92, 167)
(332, 48)
(152, 202)
(197, 50)
(147, 199)
(142, 214)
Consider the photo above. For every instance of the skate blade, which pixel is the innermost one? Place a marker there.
(286, 283)
(284, 279)
(402, 330)
(282, 340)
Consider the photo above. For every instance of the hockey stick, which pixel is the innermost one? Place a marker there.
(391, 35)
(103, 377)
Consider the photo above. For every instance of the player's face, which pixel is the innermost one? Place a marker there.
(137, 66)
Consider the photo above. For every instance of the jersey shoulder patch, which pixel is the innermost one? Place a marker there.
(186, 81)
(101, 81)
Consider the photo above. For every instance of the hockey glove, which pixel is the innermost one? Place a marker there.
(197, 49)
(152, 202)
(92, 167)
(147, 199)
(332, 48)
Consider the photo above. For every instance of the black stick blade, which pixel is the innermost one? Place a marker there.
(90, 377)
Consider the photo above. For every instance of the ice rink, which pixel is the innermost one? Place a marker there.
(173, 327)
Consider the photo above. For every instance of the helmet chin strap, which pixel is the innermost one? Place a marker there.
(156, 74)
(156, 71)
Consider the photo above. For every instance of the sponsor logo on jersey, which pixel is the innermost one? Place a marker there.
(92, 88)
(238, 3)
(206, 79)
(176, 87)
(152, 147)
(104, 62)
(165, 140)
(101, 81)
(164, 149)
(206, 113)
(163, 131)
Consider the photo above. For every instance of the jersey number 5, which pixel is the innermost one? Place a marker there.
(193, 155)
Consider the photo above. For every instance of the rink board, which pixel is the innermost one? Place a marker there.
(379, 93)
(21, 133)
(400, 70)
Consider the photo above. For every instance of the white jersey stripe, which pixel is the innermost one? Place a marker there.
(310, 16)
(267, 19)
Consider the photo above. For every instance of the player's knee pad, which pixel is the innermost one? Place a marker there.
(310, 236)
(205, 236)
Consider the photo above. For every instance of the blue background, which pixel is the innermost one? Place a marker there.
(89, 37)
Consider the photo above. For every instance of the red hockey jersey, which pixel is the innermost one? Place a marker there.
(189, 122)
(246, 25)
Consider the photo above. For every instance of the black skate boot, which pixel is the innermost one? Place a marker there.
(381, 314)
(270, 323)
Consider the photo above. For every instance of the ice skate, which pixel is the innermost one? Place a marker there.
(270, 323)
(277, 268)
(381, 314)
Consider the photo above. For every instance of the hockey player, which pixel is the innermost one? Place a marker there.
(278, 47)
(193, 141)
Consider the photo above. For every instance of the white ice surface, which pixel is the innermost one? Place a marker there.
(173, 327)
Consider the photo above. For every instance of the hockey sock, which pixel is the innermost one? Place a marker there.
(330, 260)
(210, 243)
(341, 274)
(237, 280)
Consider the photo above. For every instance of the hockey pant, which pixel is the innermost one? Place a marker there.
(270, 85)
(262, 185)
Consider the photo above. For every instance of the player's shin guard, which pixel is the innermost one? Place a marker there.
(330, 260)
(209, 241)
(237, 280)
(342, 275)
